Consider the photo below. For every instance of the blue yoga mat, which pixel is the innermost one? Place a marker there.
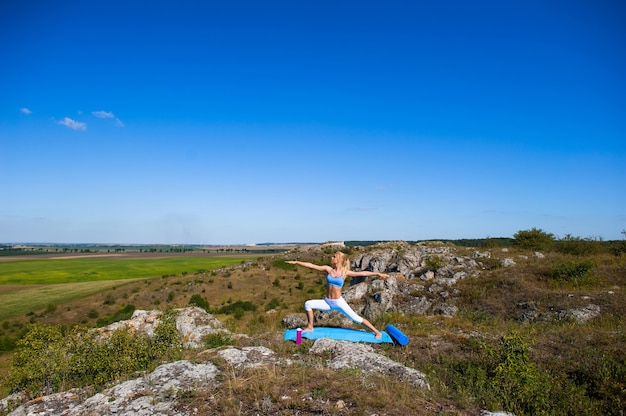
(340, 334)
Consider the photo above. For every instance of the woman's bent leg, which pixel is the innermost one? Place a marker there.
(309, 305)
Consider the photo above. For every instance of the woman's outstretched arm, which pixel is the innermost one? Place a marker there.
(310, 265)
(365, 273)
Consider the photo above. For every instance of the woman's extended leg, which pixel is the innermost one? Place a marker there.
(372, 327)
(342, 306)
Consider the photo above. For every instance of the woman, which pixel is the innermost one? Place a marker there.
(336, 275)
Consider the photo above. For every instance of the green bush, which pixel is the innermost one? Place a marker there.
(199, 301)
(50, 358)
(122, 314)
(434, 263)
(573, 272)
(109, 299)
(534, 239)
(239, 305)
(501, 377)
(217, 340)
(272, 304)
(283, 265)
(7, 342)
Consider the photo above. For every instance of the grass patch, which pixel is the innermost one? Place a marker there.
(19, 300)
(90, 270)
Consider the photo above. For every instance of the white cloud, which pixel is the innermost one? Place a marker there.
(72, 124)
(26, 111)
(108, 114)
(103, 114)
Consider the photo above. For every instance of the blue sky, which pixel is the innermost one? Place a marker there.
(246, 122)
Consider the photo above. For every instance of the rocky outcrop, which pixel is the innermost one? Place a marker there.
(363, 357)
(155, 393)
(192, 324)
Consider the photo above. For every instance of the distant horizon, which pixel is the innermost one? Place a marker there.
(288, 243)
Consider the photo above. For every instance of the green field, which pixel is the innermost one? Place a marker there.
(32, 285)
(89, 269)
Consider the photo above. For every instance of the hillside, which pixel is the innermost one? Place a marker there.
(513, 329)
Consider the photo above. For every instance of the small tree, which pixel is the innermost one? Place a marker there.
(535, 239)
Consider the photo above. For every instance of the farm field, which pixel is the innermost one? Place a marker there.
(88, 269)
(31, 285)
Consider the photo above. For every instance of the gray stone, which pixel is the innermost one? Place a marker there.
(363, 357)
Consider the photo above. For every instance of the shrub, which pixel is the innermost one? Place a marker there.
(122, 314)
(502, 377)
(217, 340)
(199, 301)
(434, 263)
(7, 342)
(534, 239)
(283, 265)
(572, 272)
(272, 304)
(52, 358)
(109, 299)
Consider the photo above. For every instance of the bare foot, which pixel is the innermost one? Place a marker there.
(308, 329)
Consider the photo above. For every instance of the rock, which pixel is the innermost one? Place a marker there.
(294, 320)
(538, 255)
(507, 262)
(153, 394)
(194, 323)
(141, 321)
(429, 275)
(582, 315)
(363, 357)
(247, 357)
(445, 309)
(414, 306)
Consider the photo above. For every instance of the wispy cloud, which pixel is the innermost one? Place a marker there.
(26, 111)
(108, 114)
(103, 114)
(72, 124)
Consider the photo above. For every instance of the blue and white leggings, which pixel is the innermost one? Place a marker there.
(327, 304)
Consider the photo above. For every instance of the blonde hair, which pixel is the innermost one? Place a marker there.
(345, 262)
